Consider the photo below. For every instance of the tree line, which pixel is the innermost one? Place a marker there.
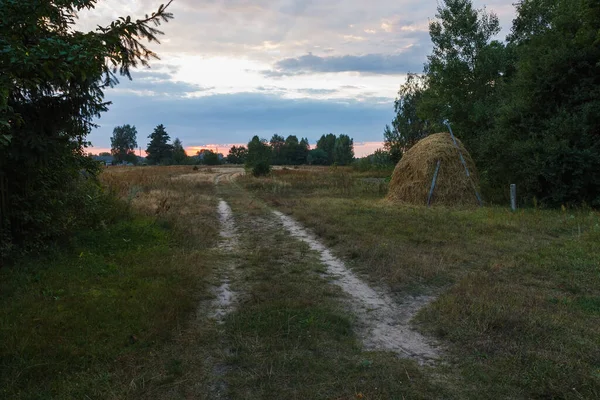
(159, 150)
(330, 149)
(528, 109)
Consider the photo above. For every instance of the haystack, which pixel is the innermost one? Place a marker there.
(412, 176)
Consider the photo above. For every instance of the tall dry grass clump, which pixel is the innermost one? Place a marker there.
(412, 177)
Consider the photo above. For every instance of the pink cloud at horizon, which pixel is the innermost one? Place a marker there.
(361, 149)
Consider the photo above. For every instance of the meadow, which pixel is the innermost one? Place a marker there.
(124, 311)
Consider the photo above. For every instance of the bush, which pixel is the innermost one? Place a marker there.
(261, 169)
(258, 159)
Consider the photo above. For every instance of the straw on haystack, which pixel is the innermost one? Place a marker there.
(411, 181)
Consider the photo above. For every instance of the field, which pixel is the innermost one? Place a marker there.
(201, 290)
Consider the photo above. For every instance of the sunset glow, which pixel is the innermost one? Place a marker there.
(278, 67)
(360, 149)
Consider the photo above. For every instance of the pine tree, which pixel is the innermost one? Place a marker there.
(159, 150)
(179, 156)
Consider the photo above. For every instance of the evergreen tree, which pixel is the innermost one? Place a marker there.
(179, 155)
(159, 150)
(52, 81)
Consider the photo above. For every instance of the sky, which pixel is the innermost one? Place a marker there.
(232, 69)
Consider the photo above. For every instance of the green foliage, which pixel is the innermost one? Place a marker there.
(52, 79)
(343, 151)
(379, 160)
(123, 143)
(277, 147)
(237, 155)
(547, 138)
(210, 158)
(159, 150)
(295, 152)
(407, 127)
(179, 155)
(317, 157)
(527, 111)
(463, 69)
(289, 151)
(258, 159)
(327, 144)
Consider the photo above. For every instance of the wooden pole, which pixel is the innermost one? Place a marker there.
(513, 197)
(463, 162)
(435, 174)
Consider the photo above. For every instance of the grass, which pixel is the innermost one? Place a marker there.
(291, 336)
(110, 315)
(123, 311)
(518, 292)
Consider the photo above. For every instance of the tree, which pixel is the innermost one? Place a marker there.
(462, 72)
(123, 143)
(547, 136)
(277, 147)
(317, 157)
(52, 81)
(237, 155)
(407, 127)
(258, 159)
(303, 150)
(327, 144)
(104, 154)
(210, 158)
(179, 155)
(159, 150)
(343, 150)
(295, 152)
(380, 159)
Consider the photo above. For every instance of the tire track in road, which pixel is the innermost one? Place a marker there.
(383, 323)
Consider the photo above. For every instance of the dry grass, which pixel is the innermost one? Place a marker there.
(178, 196)
(291, 336)
(113, 317)
(411, 181)
(519, 305)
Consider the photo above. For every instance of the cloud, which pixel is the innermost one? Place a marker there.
(317, 91)
(385, 64)
(152, 83)
(301, 67)
(235, 118)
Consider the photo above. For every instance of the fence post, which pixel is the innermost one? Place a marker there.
(513, 197)
(3, 195)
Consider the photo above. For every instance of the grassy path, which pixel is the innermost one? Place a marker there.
(292, 334)
(518, 310)
(207, 293)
